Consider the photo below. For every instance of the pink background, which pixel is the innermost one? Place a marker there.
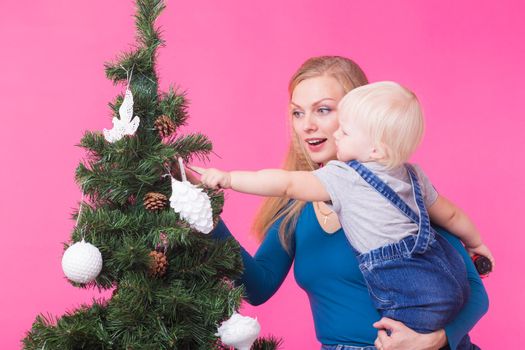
(464, 60)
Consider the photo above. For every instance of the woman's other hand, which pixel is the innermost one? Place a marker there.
(403, 338)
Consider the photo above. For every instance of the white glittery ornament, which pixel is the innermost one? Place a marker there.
(192, 204)
(124, 125)
(239, 331)
(82, 262)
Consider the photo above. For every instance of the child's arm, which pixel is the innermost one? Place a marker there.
(447, 215)
(300, 185)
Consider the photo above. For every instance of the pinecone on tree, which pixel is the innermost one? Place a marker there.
(158, 265)
(154, 201)
(165, 126)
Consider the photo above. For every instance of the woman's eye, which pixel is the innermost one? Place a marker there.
(324, 110)
(297, 114)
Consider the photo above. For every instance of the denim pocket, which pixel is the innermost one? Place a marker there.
(380, 295)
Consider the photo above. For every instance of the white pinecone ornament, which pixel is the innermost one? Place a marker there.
(192, 204)
(82, 262)
(239, 331)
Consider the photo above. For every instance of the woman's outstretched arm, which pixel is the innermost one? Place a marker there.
(265, 272)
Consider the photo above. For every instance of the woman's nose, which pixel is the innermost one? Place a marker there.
(309, 123)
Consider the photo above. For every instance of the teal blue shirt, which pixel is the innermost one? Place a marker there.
(327, 269)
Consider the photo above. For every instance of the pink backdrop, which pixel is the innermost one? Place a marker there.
(464, 59)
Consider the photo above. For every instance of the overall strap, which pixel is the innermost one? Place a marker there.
(424, 235)
(385, 190)
(425, 230)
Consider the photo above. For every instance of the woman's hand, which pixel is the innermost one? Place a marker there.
(403, 338)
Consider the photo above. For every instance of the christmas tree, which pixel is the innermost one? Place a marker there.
(172, 283)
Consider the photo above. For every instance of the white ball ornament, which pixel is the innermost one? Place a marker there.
(239, 331)
(82, 262)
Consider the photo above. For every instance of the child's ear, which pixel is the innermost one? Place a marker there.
(378, 152)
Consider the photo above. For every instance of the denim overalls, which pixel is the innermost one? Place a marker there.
(420, 280)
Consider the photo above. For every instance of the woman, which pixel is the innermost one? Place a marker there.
(310, 234)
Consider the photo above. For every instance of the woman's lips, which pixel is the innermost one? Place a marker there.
(315, 144)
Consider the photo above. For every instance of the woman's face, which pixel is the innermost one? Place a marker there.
(313, 108)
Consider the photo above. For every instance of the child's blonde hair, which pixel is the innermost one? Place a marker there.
(390, 115)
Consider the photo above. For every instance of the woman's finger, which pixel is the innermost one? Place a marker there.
(387, 323)
(377, 344)
(384, 340)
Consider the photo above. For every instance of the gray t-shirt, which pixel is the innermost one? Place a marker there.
(368, 219)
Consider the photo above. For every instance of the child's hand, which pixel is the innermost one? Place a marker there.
(482, 249)
(191, 177)
(213, 178)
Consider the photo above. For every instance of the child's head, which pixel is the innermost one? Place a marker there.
(380, 122)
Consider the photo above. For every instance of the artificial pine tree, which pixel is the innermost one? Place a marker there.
(172, 284)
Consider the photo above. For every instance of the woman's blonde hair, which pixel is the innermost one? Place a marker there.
(390, 115)
(350, 76)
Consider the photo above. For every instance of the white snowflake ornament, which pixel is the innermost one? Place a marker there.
(192, 204)
(125, 125)
(239, 331)
(82, 262)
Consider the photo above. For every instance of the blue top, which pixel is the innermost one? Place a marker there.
(327, 269)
